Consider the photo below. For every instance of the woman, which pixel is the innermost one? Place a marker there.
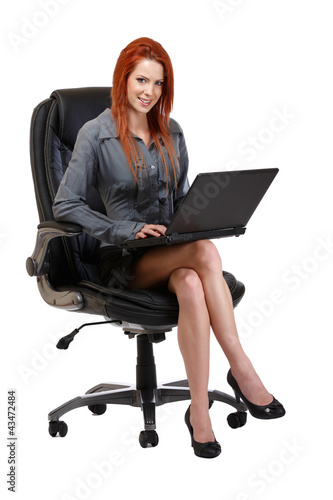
(136, 157)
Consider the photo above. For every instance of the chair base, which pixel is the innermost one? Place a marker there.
(146, 394)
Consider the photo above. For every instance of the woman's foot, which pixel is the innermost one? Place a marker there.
(201, 424)
(203, 449)
(251, 386)
(272, 409)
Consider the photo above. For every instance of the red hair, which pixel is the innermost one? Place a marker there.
(158, 116)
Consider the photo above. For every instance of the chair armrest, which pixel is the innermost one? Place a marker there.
(46, 232)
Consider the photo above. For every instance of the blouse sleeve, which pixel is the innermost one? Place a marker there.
(71, 205)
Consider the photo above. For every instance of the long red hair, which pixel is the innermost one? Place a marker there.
(158, 116)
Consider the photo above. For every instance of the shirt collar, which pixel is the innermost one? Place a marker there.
(107, 127)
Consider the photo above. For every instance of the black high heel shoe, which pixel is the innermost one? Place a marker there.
(211, 449)
(272, 410)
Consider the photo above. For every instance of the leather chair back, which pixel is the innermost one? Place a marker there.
(54, 127)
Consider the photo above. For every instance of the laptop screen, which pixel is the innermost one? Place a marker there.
(221, 200)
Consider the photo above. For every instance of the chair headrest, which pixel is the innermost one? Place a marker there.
(76, 107)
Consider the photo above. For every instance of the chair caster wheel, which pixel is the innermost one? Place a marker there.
(58, 427)
(97, 409)
(237, 419)
(148, 439)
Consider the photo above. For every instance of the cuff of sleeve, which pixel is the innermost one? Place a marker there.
(127, 231)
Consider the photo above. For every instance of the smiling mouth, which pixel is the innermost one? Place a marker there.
(144, 102)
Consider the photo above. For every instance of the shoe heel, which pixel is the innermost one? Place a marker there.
(238, 399)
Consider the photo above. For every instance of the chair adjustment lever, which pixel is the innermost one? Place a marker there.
(64, 342)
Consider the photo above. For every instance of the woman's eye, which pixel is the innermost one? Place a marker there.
(141, 80)
(159, 84)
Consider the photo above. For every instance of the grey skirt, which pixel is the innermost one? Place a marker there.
(115, 267)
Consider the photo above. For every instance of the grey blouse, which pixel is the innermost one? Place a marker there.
(98, 160)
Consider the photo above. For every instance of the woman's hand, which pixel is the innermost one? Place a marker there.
(150, 230)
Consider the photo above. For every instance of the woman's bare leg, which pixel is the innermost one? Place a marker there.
(193, 339)
(219, 304)
(156, 267)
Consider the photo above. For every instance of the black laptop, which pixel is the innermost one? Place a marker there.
(217, 205)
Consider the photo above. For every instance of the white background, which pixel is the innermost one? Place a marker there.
(238, 64)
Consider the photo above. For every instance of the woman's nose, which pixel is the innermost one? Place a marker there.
(148, 90)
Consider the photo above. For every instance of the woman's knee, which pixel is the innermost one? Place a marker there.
(205, 256)
(186, 284)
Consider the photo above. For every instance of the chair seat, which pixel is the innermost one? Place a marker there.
(158, 299)
(147, 308)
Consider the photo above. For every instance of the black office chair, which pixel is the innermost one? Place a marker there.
(65, 262)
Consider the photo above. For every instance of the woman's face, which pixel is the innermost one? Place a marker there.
(144, 86)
